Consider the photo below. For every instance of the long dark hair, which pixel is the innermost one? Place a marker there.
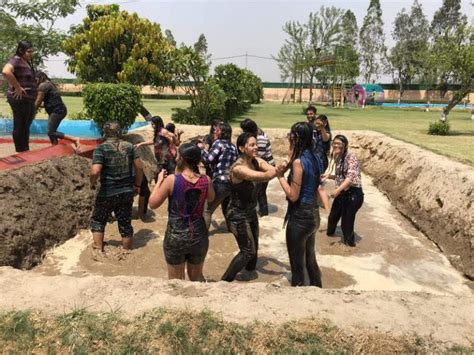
(344, 141)
(41, 77)
(324, 118)
(301, 137)
(243, 139)
(226, 131)
(249, 125)
(158, 122)
(190, 156)
(22, 47)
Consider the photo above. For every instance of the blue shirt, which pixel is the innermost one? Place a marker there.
(312, 170)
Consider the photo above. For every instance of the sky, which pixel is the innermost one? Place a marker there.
(236, 28)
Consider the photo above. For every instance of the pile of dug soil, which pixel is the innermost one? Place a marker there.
(42, 205)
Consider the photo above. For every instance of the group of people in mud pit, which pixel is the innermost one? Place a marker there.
(236, 178)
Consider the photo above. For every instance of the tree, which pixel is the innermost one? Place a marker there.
(324, 28)
(452, 58)
(229, 78)
(38, 19)
(292, 55)
(372, 42)
(408, 56)
(346, 55)
(115, 46)
(192, 75)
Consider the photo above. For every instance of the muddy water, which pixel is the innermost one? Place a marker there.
(390, 255)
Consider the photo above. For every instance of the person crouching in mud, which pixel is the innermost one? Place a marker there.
(119, 167)
(186, 239)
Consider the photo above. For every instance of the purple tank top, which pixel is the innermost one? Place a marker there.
(187, 200)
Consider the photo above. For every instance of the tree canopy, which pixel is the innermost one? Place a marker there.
(116, 46)
(34, 21)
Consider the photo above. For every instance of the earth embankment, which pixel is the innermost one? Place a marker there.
(434, 192)
(43, 204)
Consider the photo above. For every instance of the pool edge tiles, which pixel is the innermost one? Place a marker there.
(77, 128)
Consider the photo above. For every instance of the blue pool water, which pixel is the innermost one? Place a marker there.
(77, 128)
(404, 104)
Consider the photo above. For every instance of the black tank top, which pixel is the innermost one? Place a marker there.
(244, 194)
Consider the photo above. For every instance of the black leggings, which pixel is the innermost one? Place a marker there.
(23, 114)
(244, 226)
(54, 120)
(345, 207)
(300, 237)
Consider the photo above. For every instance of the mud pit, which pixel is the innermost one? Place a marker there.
(395, 280)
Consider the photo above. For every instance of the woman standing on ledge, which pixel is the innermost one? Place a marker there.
(348, 195)
(21, 93)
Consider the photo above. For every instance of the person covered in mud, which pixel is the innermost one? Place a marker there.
(302, 217)
(242, 218)
(164, 143)
(21, 93)
(220, 158)
(120, 169)
(186, 239)
(348, 195)
(49, 97)
(264, 147)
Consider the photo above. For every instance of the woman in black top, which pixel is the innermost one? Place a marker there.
(242, 209)
(49, 96)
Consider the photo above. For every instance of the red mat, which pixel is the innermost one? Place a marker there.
(63, 149)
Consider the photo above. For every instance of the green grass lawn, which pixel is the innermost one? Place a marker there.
(409, 125)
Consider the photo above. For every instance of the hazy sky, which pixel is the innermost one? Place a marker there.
(234, 28)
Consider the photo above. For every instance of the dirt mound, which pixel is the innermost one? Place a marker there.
(42, 205)
(434, 192)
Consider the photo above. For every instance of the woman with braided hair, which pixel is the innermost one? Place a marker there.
(302, 216)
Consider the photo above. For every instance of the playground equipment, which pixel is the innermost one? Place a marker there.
(366, 94)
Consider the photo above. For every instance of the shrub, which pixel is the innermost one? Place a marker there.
(80, 115)
(207, 106)
(241, 87)
(439, 128)
(117, 102)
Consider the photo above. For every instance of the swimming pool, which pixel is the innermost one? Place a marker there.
(77, 128)
(408, 105)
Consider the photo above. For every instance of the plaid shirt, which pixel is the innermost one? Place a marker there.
(220, 157)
